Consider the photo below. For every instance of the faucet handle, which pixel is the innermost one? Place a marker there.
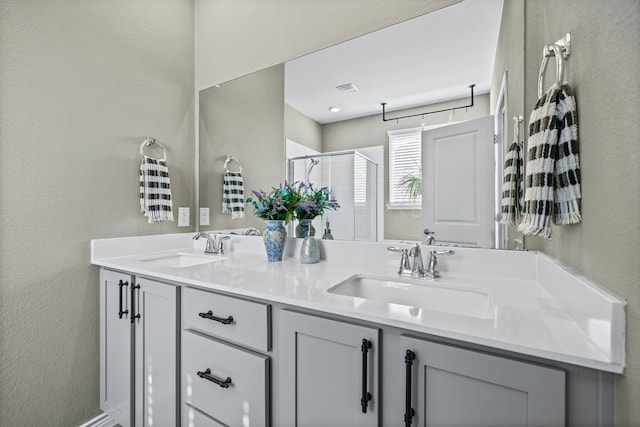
(405, 265)
(446, 252)
(220, 245)
(432, 269)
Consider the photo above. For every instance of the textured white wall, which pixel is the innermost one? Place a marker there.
(81, 82)
(603, 70)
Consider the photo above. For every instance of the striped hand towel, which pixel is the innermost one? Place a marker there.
(233, 195)
(566, 209)
(553, 174)
(512, 191)
(155, 190)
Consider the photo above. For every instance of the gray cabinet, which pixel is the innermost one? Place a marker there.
(223, 381)
(138, 350)
(328, 372)
(452, 386)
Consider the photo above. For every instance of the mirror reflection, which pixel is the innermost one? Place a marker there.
(278, 122)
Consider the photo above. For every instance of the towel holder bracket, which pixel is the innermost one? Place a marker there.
(565, 46)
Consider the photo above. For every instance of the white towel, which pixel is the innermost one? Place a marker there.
(512, 194)
(155, 190)
(233, 195)
(553, 173)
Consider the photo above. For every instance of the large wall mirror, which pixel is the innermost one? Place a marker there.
(278, 123)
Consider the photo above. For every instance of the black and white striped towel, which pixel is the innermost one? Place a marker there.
(512, 189)
(155, 190)
(233, 195)
(553, 169)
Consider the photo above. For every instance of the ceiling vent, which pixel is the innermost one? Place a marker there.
(347, 88)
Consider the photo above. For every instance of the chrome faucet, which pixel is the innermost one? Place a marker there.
(215, 245)
(408, 268)
(432, 268)
(429, 240)
(418, 267)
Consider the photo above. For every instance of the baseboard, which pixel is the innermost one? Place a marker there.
(102, 420)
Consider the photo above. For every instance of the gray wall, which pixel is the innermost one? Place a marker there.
(371, 131)
(81, 83)
(302, 129)
(603, 70)
(243, 118)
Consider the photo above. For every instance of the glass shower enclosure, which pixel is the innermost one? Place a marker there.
(352, 178)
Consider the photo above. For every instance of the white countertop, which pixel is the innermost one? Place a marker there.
(541, 308)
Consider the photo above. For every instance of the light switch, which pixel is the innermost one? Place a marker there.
(204, 216)
(183, 217)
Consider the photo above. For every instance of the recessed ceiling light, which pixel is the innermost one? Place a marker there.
(334, 109)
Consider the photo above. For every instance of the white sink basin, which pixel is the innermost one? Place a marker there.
(180, 260)
(470, 301)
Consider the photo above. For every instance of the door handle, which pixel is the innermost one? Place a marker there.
(120, 311)
(408, 410)
(134, 316)
(366, 396)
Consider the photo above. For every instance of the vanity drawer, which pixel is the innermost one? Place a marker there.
(251, 324)
(244, 401)
(192, 417)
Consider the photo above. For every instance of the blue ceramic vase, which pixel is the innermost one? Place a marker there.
(309, 251)
(275, 236)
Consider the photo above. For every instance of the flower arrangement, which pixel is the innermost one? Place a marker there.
(292, 201)
(279, 204)
(313, 201)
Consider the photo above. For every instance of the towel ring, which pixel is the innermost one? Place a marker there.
(229, 160)
(148, 142)
(557, 52)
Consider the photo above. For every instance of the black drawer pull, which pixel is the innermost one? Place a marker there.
(207, 376)
(366, 396)
(209, 315)
(121, 312)
(408, 410)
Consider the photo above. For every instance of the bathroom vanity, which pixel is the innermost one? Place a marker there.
(504, 338)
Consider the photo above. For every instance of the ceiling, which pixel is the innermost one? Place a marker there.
(428, 59)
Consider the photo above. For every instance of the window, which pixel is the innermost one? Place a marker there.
(405, 169)
(359, 180)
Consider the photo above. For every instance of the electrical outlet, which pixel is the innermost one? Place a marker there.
(204, 216)
(183, 217)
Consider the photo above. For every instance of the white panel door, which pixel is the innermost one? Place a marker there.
(325, 372)
(116, 334)
(156, 354)
(458, 171)
(455, 387)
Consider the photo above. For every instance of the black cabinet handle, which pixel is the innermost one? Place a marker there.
(134, 316)
(207, 376)
(120, 311)
(408, 410)
(366, 396)
(209, 315)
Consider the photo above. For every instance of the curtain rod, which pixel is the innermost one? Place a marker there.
(386, 119)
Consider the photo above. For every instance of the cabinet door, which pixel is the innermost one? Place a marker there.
(451, 386)
(321, 367)
(155, 306)
(115, 346)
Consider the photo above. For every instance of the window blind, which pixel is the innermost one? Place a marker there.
(405, 159)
